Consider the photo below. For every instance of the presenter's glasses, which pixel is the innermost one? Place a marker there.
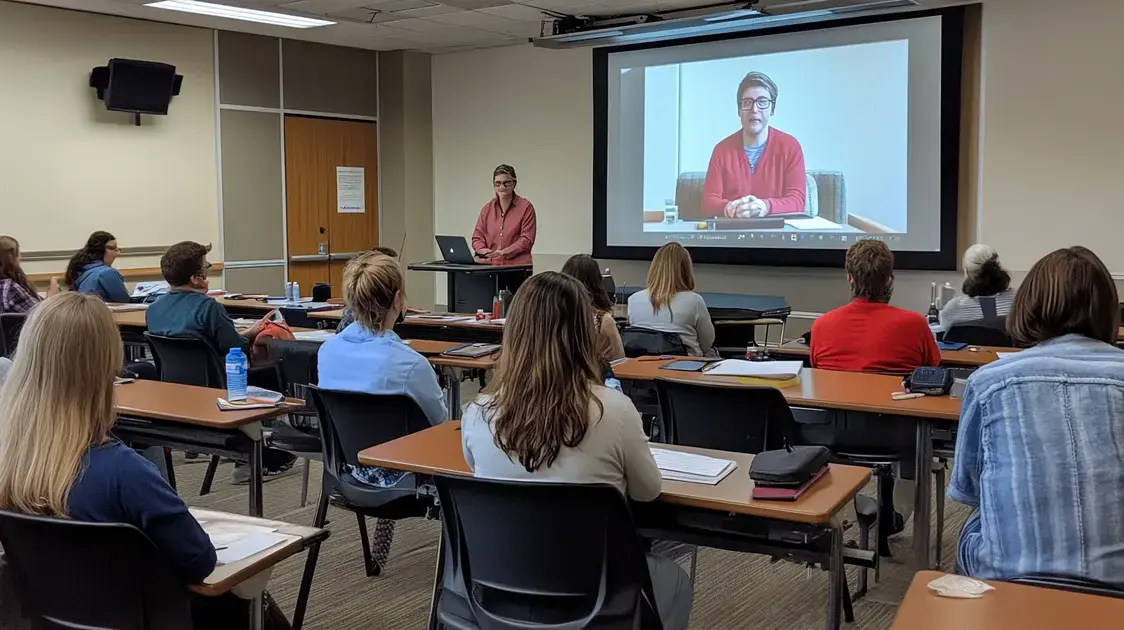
(510, 183)
(761, 103)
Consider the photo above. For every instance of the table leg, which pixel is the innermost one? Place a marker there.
(835, 577)
(453, 393)
(256, 479)
(306, 586)
(256, 622)
(923, 500)
(438, 581)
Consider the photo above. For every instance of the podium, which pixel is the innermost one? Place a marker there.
(472, 287)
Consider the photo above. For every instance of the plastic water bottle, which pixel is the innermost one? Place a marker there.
(295, 296)
(670, 211)
(236, 365)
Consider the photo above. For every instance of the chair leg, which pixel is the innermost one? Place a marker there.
(864, 544)
(304, 482)
(938, 475)
(848, 605)
(209, 477)
(878, 527)
(369, 563)
(694, 563)
(321, 511)
(169, 468)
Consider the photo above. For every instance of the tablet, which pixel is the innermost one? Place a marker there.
(685, 366)
(951, 345)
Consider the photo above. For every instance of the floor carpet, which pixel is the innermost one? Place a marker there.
(733, 591)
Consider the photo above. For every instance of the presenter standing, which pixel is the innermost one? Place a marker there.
(758, 170)
(505, 231)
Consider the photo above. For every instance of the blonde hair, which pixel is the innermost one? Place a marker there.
(371, 281)
(669, 274)
(57, 401)
(544, 383)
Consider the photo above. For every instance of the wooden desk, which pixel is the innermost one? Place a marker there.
(963, 358)
(135, 320)
(437, 451)
(152, 413)
(1008, 607)
(423, 327)
(846, 391)
(823, 389)
(228, 576)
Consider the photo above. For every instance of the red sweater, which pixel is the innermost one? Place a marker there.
(866, 336)
(779, 178)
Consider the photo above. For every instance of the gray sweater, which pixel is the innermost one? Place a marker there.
(687, 317)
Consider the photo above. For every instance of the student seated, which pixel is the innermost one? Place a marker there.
(867, 334)
(670, 303)
(348, 316)
(368, 356)
(1038, 447)
(186, 311)
(987, 285)
(91, 269)
(57, 457)
(546, 416)
(17, 294)
(585, 270)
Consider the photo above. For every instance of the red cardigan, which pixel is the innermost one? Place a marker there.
(779, 178)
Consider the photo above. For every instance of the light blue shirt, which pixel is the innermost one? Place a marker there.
(359, 360)
(1040, 455)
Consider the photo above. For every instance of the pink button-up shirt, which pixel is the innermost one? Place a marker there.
(512, 233)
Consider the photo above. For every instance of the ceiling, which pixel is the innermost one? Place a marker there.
(429, 25)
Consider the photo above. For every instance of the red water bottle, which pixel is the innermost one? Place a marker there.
(496, 307)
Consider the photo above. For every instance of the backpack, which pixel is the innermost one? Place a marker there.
(260, 354)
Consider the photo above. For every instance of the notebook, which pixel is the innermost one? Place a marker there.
(314, 335)
(780, 370)
(782, 493)
(691, 468)
(472, 350)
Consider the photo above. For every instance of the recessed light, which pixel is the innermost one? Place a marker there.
(239, 13)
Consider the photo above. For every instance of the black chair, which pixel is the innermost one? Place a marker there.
(525, 555)
(298, 364)
(1087, 586)
(93, 576)
(979, 334)
(189, 362)
(639, 342)
(349, 423)
(729, 418)
(10, 325)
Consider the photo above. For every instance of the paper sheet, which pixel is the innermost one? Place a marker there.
(692, 468)
(813, 224)
(782, 370)
(350, 190)
(145, 289)
(125, 308)
(1003, 355)
(314, 335)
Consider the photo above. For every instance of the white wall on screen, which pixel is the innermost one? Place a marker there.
(661, 118)
(847, 105)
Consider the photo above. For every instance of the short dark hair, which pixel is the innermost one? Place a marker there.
(757, 79)
(505, 169)
(1067, 291)
(182, 261)
(870, 263)
(585, 270)
(991, 278)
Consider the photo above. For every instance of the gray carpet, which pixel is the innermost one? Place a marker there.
(732, 591)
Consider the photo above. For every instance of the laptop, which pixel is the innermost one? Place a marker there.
(454, 249)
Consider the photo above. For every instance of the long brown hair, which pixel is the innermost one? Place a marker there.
(93, 250)
(1067, 291)
(584, 269)
(669, 274)
(10, 267)
(57, 401)
(544, 383)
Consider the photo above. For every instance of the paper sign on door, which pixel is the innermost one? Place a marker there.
(350, 191)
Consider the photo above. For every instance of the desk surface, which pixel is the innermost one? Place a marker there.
(949, 358)
(227, 576)
(851, 391)
(186, 404)
(136, 319)
(437, 451)
(441, 265)
(1008, 607)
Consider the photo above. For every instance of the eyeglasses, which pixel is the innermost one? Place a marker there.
(202, 273)
(761, 103)
(111, 248)
(510, 183)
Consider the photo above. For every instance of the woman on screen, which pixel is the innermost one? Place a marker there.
(758, 170)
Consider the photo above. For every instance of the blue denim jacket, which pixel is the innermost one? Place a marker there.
(1040, 456)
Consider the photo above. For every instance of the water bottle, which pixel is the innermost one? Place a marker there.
(670, 211)
(613, 383)
(295, 294)
(235, 375)
(505, 302)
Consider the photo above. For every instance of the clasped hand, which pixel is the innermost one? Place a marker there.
(746, 207)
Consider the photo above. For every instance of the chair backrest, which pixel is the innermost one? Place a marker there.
(740, 419)
(546, 555)
(831, 195)
(353, 421)
(298, 363)
(187, 361)
(1087, 586)
(639, 342)
(981, 333)
(10, 325)
(72, 574)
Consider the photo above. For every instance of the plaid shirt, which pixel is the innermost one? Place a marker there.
(16, 299)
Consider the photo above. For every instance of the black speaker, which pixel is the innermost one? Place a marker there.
(137, 87)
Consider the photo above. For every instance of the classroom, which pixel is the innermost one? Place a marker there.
(831, 353)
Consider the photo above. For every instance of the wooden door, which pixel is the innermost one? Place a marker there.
(317, 229)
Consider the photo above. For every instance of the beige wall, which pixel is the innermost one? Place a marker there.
(70, 167)
(1042, 175)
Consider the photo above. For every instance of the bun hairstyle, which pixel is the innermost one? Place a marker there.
(984, 275)
(371, 283)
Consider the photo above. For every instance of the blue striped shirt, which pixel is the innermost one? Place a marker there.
(1040, 455)
(753, 154)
